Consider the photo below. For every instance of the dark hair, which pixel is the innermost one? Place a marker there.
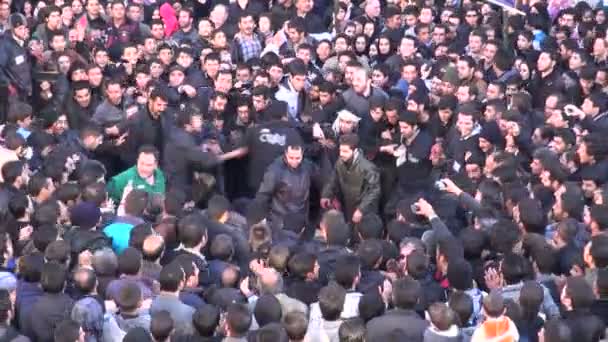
(513, 268)
(238, 318)
(129, 297)
(171, 276)
(406, 293)
(352, 330)
(161, 325)
(462, 304)
(222, 247)
(191, 231)
(58, 251)
(350, 140)
(43, 235)
(206, 319)
(557, 330)
(530, 298)
(371, 305)
(331, 301)
(129, 261)
(347, 269)
(30, 267)
(599, 250)
(217, 206)
(267, 310)
(136, 202)
(460, 274)
(67, 331)
(580, 293)
(300, 264)
(53, 277)
(296, 324)
(11, 171)
(370, 252)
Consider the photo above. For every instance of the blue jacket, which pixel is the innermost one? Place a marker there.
(120, 232)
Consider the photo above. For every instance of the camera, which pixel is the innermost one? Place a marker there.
(440, 185)
(415, 208)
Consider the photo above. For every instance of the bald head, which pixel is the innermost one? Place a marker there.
(271, 281)
(153, 248)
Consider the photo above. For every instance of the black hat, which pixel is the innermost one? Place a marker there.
(176, 67)
(16, 20)
(409, 117)
(448, 102)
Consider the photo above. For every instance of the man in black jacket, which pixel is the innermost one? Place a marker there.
(50, 309)
(182, 155)
(15, 65)
(355, 181)
(150, 126)
(406, 293)
(286, 185)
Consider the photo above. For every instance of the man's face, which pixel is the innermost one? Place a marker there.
(298, 82)
(276, 74)
(134, 13)
(589, 187)
(439, 35)
(54, 19)
(558, 145)
(407, 49)
(493, 92)
(303, 55)
(5, 10)
(545, 63)
(294, 35)
(83, 97)
(475, 43)
(205, 29)
(146, 164)
(523, 43)
(340, 45)
(118, 11)
(463, 94)
(323, 51)
(360, 81)
(93, 7)
(409, 73)
(184, 20)
(489, 52)
(465, 124)
(95, 76)
(21, 32)
(583, 154)
(473, 172)
(464, 72)
(157, 106)
(212, 67)
(259, 102)
(304, 6)
(407, 130)
(378, 79)
(426, 16)
(346, 153)
(158, 31)
(325, 98)
(243, 113)
(101, 58)
(224, 82)
(60, 126)
(64, 64)
(184, 60)
(293, 157)
(246, 25)
(471, 18)
(114, 93)
(176, 78)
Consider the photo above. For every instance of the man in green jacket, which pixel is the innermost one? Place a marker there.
(145, 175)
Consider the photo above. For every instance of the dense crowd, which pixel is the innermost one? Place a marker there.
(303, 170)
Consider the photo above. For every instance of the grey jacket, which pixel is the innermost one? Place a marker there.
(548, 306)
(115, 326)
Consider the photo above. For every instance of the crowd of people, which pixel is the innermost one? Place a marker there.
(303, 170)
